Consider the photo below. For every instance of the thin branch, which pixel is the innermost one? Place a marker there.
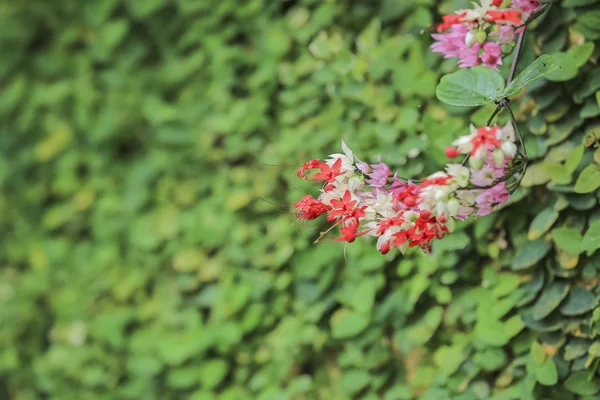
(514, 122)
(513, 67)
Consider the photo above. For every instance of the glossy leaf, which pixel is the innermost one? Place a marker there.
(470, 87)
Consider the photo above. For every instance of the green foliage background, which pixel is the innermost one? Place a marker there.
(137, 261)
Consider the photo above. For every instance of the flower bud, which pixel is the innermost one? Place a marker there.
(480, 36)
(476, 162)
(452, 206)
(451, 152)
(440, 208)
(509, 148)
(439, 194)
(450, 224)
(498, 157)
(470, 38)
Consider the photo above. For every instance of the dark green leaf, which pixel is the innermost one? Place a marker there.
(530, 253)
(583, 383)
(579, 301)
(552, 295)
(542, 222)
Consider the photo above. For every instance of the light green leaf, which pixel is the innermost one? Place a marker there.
(346, 323)
(589, 180)
(568, 68)
(567, 239)
(537, 69)
(449, 358)
(470, 87)
(591, 239)
(574, 158)
(546, 374)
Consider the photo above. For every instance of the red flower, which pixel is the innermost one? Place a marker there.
(504, 16)
(497, 3)
(309, 208)
(386, 224)
(329, 173)
(350, 231)
(449, 20)
(435, 181)
(342, 207)
(409, 195)
(303, 170)
(485, 137)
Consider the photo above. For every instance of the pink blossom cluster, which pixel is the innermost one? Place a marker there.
(476, 36)
(368, 199)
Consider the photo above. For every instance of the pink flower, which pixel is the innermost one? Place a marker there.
(492, 55)
(379, 176)
(486, 175)
(505, 34)
(490, 198)
(529, 6)
(469, 56)
(450, 44)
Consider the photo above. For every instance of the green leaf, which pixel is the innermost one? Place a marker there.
(579, 301)
(542, 66)
(552, 295)
(449, 358)
(506, 283)
(542, 222)
(354, 380)
(212, 372)
(568, 68)
(591, 239)
(577, 3)
(546, 374)
(567, 239)
(470, 87)
(490, 359)
(589, 179)
(582, 383)
(580, 54)
(538, 355)
(530, 254)
(346, 323)
(574, 158)
(576, 348)
(364, 296)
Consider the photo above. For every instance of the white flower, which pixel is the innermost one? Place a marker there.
(466, 197)
(460, 174)
(506, 133)
(355, 184)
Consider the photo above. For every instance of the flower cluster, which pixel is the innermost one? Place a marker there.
(476, 36)
(367, 199)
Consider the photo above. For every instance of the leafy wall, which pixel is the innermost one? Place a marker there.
(138, 262)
